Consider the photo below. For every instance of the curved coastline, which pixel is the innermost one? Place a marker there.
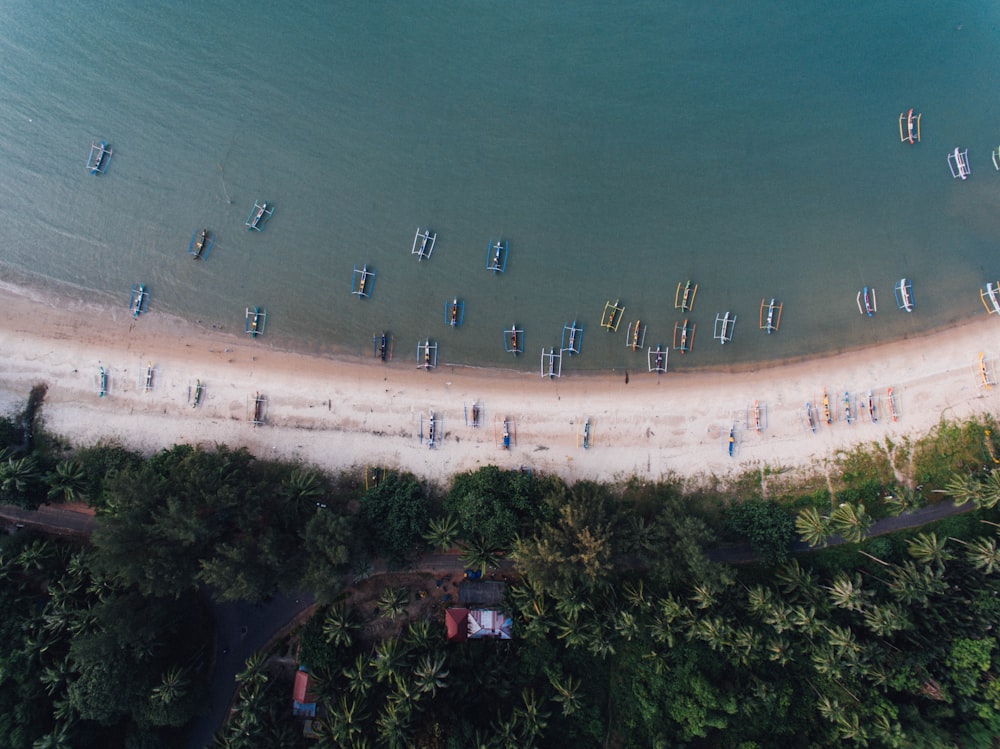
(338, 412)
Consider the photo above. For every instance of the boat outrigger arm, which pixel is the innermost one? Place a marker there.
(991, 293)
(100, 155)
(423, 243)
(958, 162)
(259, 215)
(496, 256)
(909, 127)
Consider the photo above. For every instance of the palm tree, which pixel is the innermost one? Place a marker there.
(798, 582)
(983, 554)
(388, 660)
(393, 725)
(392, 602)
(850, 521)
(430, 674)
(359, 676)
(173, 685)
(16, 475)
(885, 619)
(812, 527)
(339, 626)
(302, 483)
(421, 637)
(67, 481)
(963, 488)
(531, 715)
(567, 692)
(442, 533)
(346, 722)
(58, 738)
(927, 548)
(845, 592)
(910, 584)
(480, 555)
(253, 670)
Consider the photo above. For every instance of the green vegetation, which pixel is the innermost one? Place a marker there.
(626, 632)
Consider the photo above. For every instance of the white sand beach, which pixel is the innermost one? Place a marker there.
(338, 414)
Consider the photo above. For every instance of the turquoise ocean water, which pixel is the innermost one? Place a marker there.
(752, 147)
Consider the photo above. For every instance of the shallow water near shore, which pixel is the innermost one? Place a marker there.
(619, 151)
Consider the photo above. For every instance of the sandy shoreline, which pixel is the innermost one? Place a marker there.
(337, 414)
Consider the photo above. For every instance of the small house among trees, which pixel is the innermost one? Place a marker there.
(303, 699)
(473, 624)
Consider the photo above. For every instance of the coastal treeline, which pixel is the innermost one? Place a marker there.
(633, 626)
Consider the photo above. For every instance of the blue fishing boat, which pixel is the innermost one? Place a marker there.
(259, 215)
(201, 243)
(100, 156)
(102, 383)
(139, 300)
(496, 256)
(454, 312)
(253, 323)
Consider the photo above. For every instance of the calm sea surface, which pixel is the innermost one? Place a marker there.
(620, 149)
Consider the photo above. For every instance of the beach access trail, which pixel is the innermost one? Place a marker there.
(342, 413)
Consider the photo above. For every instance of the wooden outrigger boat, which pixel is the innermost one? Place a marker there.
(148, 379)
(867, 301)
(732, 440)
(827, 414)
(958, 162)
(102, 383)
(454, 312)
(504, 434)
(683, 336)
(995, 154)
(572, 336)
(100, 156)
(201, 243)
(253, 322)
(432, 429)
(811, 418)
(904, 295)
(756, 417)
(872, 408)
(612, 316)
(636, 335)
(382, 346)
(257, 410)
(657, 360)
(551, 364)
(724, 325)
(847, 408)
(139, 300)
(909, 127)
(477, 415)
(362, 281)
(893, 406)
(684, 296)
(990, 297)
(772, 319)
(198, 390)
(496, 256)
(513, 340)
(585, 440)
(427, 355)
(986, 377)
(258, 216)
(423, 243)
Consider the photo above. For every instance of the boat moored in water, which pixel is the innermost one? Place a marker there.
(253, 323)
(259, 215)
(201, 243)
(100, 155)
(139, 301)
